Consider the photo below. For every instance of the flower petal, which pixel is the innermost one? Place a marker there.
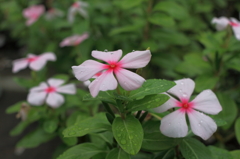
(37, 64)
(68, 89)
(110, 56)
(221, 23)
(55, 82)
(174, 124)
(236, 29)
(54, 100)
(87, 69)
(201, 124)
(207, 102)
(36, 98)
(183, 88)
(48, 56)
(19, 64)
(136, 59)
(171, 103)
(106, 81)
(129, 80)
(42, 86)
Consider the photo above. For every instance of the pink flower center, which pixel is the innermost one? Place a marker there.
(185, 106)
(113, 66)
(50, 89)
(98, 74)
(75, 5)
(31, 59)
(234, 24)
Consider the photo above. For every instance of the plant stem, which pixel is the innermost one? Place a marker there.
(143, 117)
(108, 109)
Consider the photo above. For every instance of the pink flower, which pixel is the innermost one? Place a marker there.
(35, 62)
(175, 125)
(107, 81)
(53, 13)
(33, 13)
(49, 92)
(88, 82)
(79, 7)
(223, 22)
(73, 40)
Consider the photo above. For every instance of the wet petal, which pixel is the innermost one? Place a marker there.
(207, 102)
(36, 98)
(87, 69)
(171, 103)
(54, 100)
(55, 82)
(129, 80)
(110, 56)
(136, 59)
(183, 88)
(19, 64)
(106, 81)
(68, 89)
(174, 124)
(201, 124)
(221, 23)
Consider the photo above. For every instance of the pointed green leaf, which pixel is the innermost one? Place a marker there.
(117, 153)
(162, 20)
(50, 125)
(129, 134)
(235, 154)
(219, 153)
(237, 129)
(168, 154)
(15, 107)
(102, 96)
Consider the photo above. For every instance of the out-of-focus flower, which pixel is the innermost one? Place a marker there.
(49, 92)
(73, 40)
(223, 22)
(35, 62)
(175, 125)
(106, 81)
(33, 13)
(53, 13)
(79, 7)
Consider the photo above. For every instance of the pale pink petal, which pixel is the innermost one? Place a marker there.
(83, 12)
(65, 42)
(221, 23)
(87, 69)
(106, 81)
(19, 64)
(174, 125)
(30, 21)
(201, 124)
(236, 29)
(48, 56)
(37, 64)
(86, 83)
(36, 98)
(71, 14)
(55, 82)
(81, 38)
(129, 80)
(54, 100)
(110, 56)
(68, 89)
(171, 103)
(136, 59)
(42, 86)
(183, 88)
(207, 102)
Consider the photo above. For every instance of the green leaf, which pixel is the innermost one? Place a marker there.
(151, 101)
(102, 138)
(129, 134)
(237, 129)
(82, 151)
(162, 20)
(117, 153)
(194, 149)
(172, 8)
(219, 121)
(152, 86)
(19, 128)
(35, 138)
(102, 96)
(27, 83)
(126, 4)
(50, 125)
(205, 82)
(233, 64)
(70, 141)
(168, 154)
(14, 108)
(62, 76)
(76, 116)
(125, 29)
(229, 112)
(235, 154)
(219, 153)
(155, 142)
(89, 125)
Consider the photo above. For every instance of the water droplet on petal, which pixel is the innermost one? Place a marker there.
(169, 124)
(180, 90)
(133, 50)
(184, 95)
(182, 83)
(201, 121)
(199, 124)
(105, 50)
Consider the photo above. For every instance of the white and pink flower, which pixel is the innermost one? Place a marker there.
(175, 125)
(49, 93)
(35, 62)
(107, 81)
(74, 40)
(79, 7)
(223, 22)
(33, 13)
(53, 13)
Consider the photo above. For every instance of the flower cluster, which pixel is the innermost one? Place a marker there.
(73, 40)
(33, 13)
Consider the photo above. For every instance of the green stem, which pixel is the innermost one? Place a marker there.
(108, 109)
(143, 117)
